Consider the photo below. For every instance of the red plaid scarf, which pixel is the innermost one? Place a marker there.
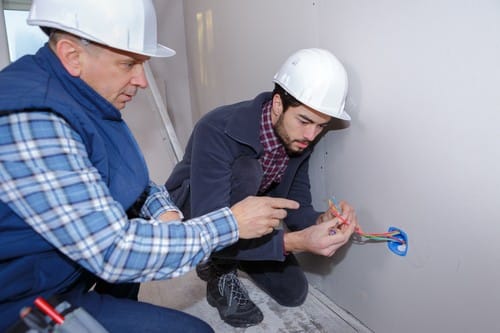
(275, 159)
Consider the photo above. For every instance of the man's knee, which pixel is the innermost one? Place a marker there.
(292, 296)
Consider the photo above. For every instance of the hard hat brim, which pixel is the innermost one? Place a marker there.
(161, 51)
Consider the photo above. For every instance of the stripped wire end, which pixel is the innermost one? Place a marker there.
(395, 237)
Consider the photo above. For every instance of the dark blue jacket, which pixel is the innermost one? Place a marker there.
(206, 172)
(29, 265)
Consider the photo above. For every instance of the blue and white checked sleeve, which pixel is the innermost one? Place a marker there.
(158, 202)
(47, 178)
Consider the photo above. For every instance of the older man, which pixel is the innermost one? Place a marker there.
(76, 201)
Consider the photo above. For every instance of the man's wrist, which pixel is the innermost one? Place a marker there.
(285, 252)
(291, 241)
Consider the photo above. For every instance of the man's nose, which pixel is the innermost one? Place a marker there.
(311, 132)
(139, 79)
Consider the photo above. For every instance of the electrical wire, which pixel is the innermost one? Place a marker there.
(384, 236)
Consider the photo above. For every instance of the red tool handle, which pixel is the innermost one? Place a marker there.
(49, 310)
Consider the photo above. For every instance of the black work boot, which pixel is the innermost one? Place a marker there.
(229, 296)
(212, 268)
(205, 270)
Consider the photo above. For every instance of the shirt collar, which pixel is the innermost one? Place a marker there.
(268, 137)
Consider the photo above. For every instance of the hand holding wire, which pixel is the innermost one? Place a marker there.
(397, 239)
(316, 238)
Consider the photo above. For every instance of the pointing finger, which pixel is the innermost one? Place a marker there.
(284, 203)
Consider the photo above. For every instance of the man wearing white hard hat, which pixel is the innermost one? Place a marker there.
(78, 208)
(262, 147)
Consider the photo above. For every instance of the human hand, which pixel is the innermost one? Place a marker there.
(170, 216)
(347, 213)
(325, 238)
(258, 216)
(326, 216)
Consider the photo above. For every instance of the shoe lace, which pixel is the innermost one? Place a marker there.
(237, 291)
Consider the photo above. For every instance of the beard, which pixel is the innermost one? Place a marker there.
(281, 133)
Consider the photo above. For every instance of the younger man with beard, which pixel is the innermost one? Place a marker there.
(262, 147)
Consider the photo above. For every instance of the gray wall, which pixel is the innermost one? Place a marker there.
(422, 152)
(171, 80)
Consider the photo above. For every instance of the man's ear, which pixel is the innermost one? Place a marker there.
(277, 107)
(69, 52)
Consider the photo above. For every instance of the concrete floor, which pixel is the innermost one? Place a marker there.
(317, 314)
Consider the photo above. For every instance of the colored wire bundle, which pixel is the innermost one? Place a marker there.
(384, 236)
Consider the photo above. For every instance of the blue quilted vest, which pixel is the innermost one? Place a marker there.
(29, 265)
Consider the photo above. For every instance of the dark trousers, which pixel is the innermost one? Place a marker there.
(284, 281)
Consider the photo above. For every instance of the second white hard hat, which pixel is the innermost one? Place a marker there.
(128, 25)
(316, 78)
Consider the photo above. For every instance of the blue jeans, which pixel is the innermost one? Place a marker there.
(129, 315)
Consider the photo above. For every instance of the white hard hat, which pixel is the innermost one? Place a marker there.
(128, 25)
(316, 78)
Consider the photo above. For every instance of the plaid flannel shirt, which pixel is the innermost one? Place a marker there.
(275, 159)
(47, 179)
